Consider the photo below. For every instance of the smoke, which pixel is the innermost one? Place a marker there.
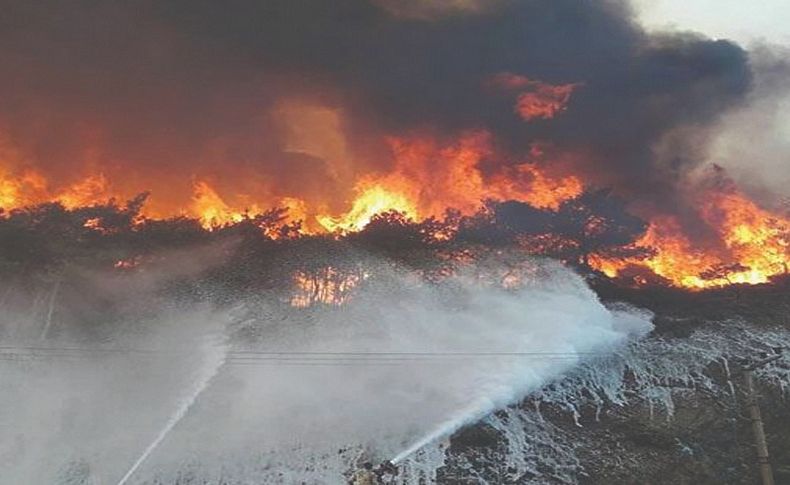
(154, 94)
(73, 415)
(432, 9)
(753, 141)
(274, 393)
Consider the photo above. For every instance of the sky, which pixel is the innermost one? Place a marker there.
(765, 20)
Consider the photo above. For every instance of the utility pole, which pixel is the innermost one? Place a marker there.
(757, 422)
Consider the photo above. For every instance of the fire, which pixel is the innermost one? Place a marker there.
(754, 246)
(373, 199)
(94, 224)
(544, 192)
(430, 175)
(22, 190)
(127, 264)
(544, 103)
(326, 285)
(9, 193)
(89, 191)
(758, 240)
(298, 211)
(535, 99)
(675, 257)
(212, 211)
(32, 188)
(428, 178)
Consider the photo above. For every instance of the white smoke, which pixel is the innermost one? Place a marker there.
(752, 142)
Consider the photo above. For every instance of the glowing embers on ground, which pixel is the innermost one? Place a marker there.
(327, 285)
(128, 263)
(94, 224)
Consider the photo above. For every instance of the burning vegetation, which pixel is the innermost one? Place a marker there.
(590, 229)
(442, 197)
(438, 198)
(500, 128)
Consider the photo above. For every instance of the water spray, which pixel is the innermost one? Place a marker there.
(212, 369)
(479, 408)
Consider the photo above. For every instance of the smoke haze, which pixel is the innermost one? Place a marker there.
(302, 394)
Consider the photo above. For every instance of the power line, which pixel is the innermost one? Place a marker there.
(291, 358)
(278, 354)
(338, 358)
(249, 357)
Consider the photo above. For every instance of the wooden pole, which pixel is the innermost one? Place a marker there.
(757, 421)
(50, 310)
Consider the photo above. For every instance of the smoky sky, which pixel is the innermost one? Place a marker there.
(148, 89)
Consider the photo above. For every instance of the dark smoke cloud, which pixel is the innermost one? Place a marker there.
(191, 84)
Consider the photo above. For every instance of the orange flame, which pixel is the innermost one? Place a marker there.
(212, 211)
(326, 285)
(756, 239)
(373, 199)
(20, 191)
(90, 191)
(431, 175)
(536, 99)
(755, 245)
(429, 178)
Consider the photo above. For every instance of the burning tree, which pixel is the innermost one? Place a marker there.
(393, 233)
(723, 272)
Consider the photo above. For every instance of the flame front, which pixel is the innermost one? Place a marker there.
(428, 176)
(372, 200)
(212, 211)
(752, 245)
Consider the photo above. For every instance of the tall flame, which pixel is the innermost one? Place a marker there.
(212, 210)
(92, 190)
(754, 246)
(372, 199)
(430, 176)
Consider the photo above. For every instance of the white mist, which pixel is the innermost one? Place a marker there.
(403, 365)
